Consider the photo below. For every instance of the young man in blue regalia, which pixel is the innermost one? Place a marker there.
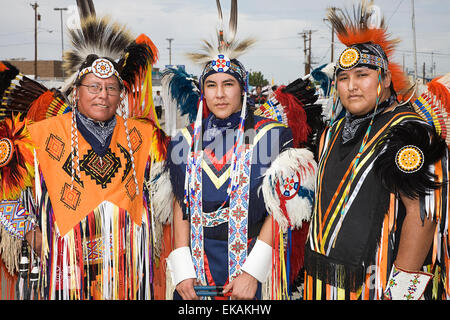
(223, 230)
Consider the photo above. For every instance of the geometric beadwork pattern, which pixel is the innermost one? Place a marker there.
(405, 285)
(70, 196)
(13, 217)
(238, 222)
(67, 167)
(54, 147)
(129, 163)
(289, 187)
(215, 218)
(6, 151)
(221, 63)
(349, 58)
(130, 187)
(95, 249)
(135, 139)
(100, 169)
(409, 159)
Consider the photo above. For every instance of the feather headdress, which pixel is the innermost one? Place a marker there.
(99, 36)
(135, 56)
(107, 48)
(356, 27)
(227, 44)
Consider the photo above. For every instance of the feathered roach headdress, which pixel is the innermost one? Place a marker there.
(222, 57)
(367, 44)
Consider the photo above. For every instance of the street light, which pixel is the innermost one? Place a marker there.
(170, 50)
(62, 31)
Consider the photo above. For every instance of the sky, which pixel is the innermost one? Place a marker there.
(276, 24)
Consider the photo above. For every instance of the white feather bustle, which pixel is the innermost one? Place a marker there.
(161, 193)
(160, 190)
(285, 166)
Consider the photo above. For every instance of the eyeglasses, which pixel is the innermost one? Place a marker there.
(95, 89)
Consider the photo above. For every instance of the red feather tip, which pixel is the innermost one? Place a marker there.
(440, 92)
(296, 116)
(3, 67)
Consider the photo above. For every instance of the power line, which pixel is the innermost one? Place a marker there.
(307, 35)
(425, 52)
(395, 11)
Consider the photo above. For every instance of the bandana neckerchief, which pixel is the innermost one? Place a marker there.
(97, 133)
(352, 122)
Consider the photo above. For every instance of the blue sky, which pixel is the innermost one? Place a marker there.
(276, 24)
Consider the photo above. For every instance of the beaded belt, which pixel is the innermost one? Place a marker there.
(215, 218)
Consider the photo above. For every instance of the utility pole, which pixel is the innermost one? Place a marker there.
(403, 63)
(306, 35)
(36, 18)
(432, 64)
(332, 44)
(170, 50)
(303, 34)
(309, 53)
(413, 20)
(62, 30)
(423, 78)
(332, 38)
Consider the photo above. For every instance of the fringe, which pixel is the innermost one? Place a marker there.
(349, 277)
(10, 248)
(106, 257)
(7, 282)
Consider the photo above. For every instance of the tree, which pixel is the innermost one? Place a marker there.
(256, 78)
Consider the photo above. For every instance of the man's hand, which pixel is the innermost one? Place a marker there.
(186, 289)
(242, 288)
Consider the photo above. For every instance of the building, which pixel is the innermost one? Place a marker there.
(46, 69)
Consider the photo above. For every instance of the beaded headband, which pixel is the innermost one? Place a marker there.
(353, 57)
(221, 63)
(101, 68)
